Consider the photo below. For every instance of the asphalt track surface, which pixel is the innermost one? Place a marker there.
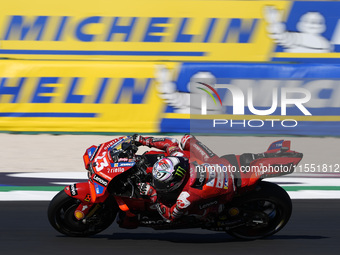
(25, 230)
(312, 229)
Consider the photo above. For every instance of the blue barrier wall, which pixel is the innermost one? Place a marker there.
(313, 91)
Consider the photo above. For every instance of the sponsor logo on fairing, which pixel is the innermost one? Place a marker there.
(99, 189)
(73, 190)
(206, 149)
(126, 164)
(201, 151)
(158, 139)
(100, 180)
(206, 205)
(87, 198)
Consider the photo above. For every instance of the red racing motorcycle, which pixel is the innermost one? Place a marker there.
(258, 209)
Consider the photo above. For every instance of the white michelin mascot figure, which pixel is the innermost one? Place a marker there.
(184, 102)
(308, 39)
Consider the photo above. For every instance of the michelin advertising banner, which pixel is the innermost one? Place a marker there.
(71, 96)
(152, 97)
(175, 30)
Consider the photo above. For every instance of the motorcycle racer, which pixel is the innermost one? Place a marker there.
(183, 183)
(190, 170)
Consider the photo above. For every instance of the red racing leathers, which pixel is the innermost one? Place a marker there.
(207, 185)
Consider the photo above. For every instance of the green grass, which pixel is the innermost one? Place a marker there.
(31, 188)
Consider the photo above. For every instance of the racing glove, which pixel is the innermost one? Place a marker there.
(165, 212)
(145, 189)
(138, 139)
(169, 214)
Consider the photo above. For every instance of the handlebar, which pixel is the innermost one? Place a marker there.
(128, 150)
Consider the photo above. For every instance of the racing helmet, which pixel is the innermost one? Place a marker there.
(168, 173)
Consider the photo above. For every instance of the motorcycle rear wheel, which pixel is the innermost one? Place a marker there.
(271, 204)
(61, 216)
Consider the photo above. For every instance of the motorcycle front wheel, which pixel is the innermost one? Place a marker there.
(61, 216)
(266, 210)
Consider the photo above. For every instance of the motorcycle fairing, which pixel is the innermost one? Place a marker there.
(281, 145)
(89, 154)
(265, 165)
(269, 167)
(98, 192)
(80, 190)
(249, 168)
(103, 164)
(102, 169)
